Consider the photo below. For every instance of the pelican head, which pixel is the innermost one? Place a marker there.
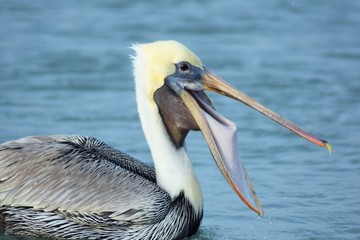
(172, 80)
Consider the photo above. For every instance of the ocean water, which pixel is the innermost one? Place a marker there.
(65, 69)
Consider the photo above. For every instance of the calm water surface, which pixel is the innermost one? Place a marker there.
(64, 69)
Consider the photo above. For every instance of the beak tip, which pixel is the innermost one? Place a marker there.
(261, 213)
(328, 146)
(259, 209)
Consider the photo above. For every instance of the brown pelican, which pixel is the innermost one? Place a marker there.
(74, 187)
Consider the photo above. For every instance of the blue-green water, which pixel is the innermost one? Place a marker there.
(64, 69)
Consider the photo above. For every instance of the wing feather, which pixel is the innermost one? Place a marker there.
(79, 175)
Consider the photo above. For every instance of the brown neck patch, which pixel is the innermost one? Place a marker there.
(175, 115)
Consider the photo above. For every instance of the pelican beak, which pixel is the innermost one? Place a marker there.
(220, 133)
(213, 83)
(221, 137)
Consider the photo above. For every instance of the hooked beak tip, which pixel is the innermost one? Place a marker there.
(328, 146)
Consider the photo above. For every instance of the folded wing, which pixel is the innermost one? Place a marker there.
(77, 176)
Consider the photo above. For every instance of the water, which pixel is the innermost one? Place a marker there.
(64, 69)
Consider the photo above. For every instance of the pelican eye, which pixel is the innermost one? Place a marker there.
(184, 66)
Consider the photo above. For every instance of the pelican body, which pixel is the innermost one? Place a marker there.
(76, 187)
